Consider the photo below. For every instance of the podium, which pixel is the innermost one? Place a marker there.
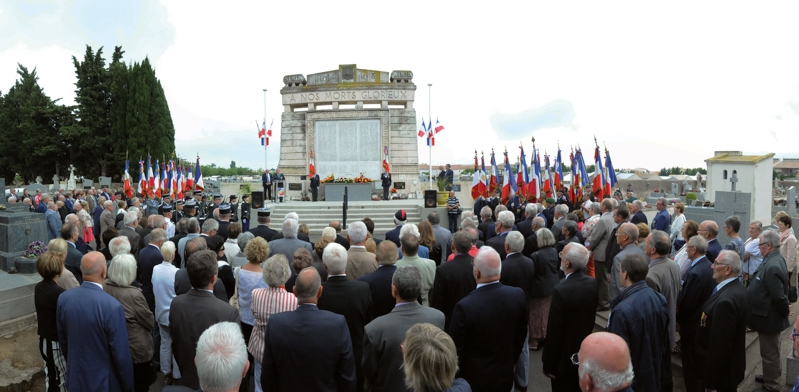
(281, 191)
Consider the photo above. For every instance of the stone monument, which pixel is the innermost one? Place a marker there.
(18, 228)
(347, 117)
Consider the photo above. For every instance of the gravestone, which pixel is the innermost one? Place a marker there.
(105, 181)
(733, 180)
(32, 188)
(791, 201)
(88, 184)
(675, 188)
(3, 190)
(17, 230)
(732, 203)
(39, 180)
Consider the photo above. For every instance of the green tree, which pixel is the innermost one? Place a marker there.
(664, 172)
(232, 164)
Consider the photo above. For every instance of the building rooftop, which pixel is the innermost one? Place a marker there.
(734, 158)
(790, 163)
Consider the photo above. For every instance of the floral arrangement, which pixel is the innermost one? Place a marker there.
(393, 190)
(35, 249)
(361, 179)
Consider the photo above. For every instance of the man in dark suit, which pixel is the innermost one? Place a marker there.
(526, 225)
(315, 181)
(495, 315)
(709, 230)
(308, 335)
(486, 216)
(339, 238)
(288, 244)
(560, 218)
(454, 279)
(767, 296)
(131, 221)
(531, 242)
(399, 219)
(380, 280)
(192, 313)
(503, 227)
(696, 288)
(349, 298)
(571, 318)
(263, 230)
(266, 181)
(182, 282)
(721, 340)
(149, 257)
(626, 236)
(70, 233)
(98, 211)
(382, 355)
(385, 182)
(92, 334)
(638, 215)
(224, 220)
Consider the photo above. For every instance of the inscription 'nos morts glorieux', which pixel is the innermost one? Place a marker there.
(349, 95)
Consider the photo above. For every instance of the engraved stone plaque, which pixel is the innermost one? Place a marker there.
(346, 148)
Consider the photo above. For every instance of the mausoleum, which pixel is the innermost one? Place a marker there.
(733, 171)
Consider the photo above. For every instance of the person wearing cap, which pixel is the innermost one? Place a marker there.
(245, 213)
(400, 217)
(166, 211)
(224, 220)
(166, 200)
(200, 206)
(263, 230)
(190, 209)
(178, 213)
(214, 205)
(234, 208)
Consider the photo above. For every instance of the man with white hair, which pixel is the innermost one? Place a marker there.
(80, 244)
(349, 298)
(604, 364)
(560, 217)
(571, 318)
(106, 217)
(400, 217)
(300, 236)
(496, 316)
(131, 220)
(289, 243)
(625, 237)
(53, 221)
(443, 236)
(503, 226)
(359, 261)
(636, 212)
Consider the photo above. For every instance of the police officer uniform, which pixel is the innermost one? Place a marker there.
(263, 230)
(170, 226)
(214, 205)
(245, 213)
(224, 209)
(234, 208)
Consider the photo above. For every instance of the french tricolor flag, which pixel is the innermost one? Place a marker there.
(439, 126)
(422, 131)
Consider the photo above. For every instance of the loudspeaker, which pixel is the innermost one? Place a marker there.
(430, 198)
(257, 200)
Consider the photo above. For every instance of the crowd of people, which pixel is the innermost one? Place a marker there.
(186, 289)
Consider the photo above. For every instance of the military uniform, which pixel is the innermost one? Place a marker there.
(224, 209)
(234, 208)
(245, 214)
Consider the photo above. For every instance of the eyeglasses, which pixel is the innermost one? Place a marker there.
(575, 360)
(762, 244)
(717, 263)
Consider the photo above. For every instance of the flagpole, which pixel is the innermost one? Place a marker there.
(266, 166)
(430, 143)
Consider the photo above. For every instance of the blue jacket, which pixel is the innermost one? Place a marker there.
(662, 221)
(53, 224)
(640, 317)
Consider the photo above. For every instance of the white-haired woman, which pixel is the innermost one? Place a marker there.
(266, 302)
(140, 321)
(410, 228)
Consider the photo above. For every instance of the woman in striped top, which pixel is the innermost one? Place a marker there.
(266, 302)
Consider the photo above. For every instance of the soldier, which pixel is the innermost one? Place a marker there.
(166, 200)
(214, 205)
(245, 213)
(190, 208)
(234, 208)
(179, 213)
(224, 220)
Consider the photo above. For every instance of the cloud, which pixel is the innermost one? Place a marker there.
(555, 114)
(73, 24)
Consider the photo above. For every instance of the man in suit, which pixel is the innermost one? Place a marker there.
(560, 217)
(625, 237)
(309, 335)
(443, 236)
(193, 231)
(301, 236)
(131, 220)
(339, 238)
(449, 176)
(385, 182)
(636, 210)
(380, 280)
(224, 211)
(598, 243)
(315, 181)
(496, 316)
(454, 279)
(571, 318)
(359, 261)
(519, 271)
(767, 297)
(266, 182)
(531, 242)
(486, 216)
(182, 281)
(399, 219)
(640, 317)
(620, 216)
(696, 288)
(149, 257)
(289, 243)
(503, 226)
(662, 220)
(262, 230)
(351, 299)
(604, 363)
(53, 221)
(721, 340)
(427, 268)
(92, 333)
(192, 313)
(69, 232)
(663, 275)
(526, 225)
(709, 230)
(382, 354)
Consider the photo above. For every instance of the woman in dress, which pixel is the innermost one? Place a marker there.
(250, 277)
(547, 275)
(676, 227)
(267, 301)
(45, 296)
(140, 321)
(689, 229)
(82, 209)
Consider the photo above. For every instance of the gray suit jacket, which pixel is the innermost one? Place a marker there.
(359, 263)
(664, 277)
(287, 247)
(106, 221)
(615, 273)
(382, 356)
(134, 238)
(443, 239)
(600, 236)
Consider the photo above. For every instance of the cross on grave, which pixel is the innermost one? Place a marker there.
(733, 180)
(728, 204)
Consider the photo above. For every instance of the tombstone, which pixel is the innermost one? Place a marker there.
(39, 180)
(791, 201)
(105, 181)
(56, 179)
(17, 230)
(88, 184)
(3, 200)
(732, 203)
(734, 180)
(675, 188)
(32, 188)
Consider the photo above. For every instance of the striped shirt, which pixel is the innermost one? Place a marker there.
(266, 302)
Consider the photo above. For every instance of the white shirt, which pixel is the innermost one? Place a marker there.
(486, 284)
(163, 281)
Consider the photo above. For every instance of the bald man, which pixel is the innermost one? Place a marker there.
(604, 363)
(92, 333)
(709, 230)
(496, 316)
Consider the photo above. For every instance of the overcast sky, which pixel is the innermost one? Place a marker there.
(659, 84)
